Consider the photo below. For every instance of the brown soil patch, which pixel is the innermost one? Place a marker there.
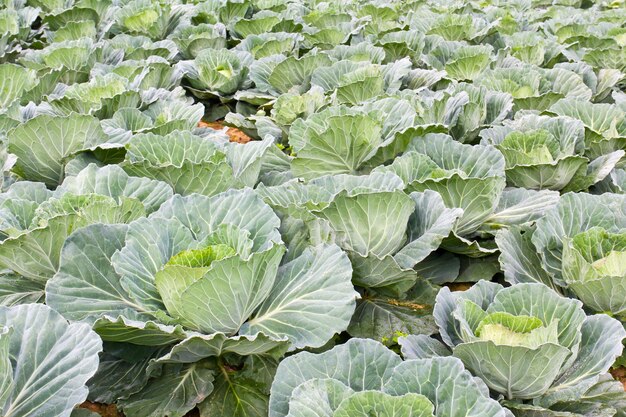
(111, 410)
(460, 286)
(412, 306)
(233, 133)
(620, 375)
(102, 409)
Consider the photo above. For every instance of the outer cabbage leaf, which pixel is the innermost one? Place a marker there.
(604, 124)
(203, 215)
(466, 177)
(6, 374)
(241, 392)
(51, 361)
(519, 258)
(460, 60)
(138, 329)
(342, 140)
(382, 318)
(316, 284)
(111, 181)
(196, 347)
(360, 364)
(173, 393)
(188, 163)
(16, 80)
(343, 145)
(318, 398)
(277, 74)
(44, 144)
(519, 206)
(86, 285)
(365, 403)
(15, 290)
(421, 347)
(34, 252)
(447, 385)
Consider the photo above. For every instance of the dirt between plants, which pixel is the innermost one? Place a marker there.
(620, 375)
(111, 411)
(102, 409)
(233, 133)
(460, 286)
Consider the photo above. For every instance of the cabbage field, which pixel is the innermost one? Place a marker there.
(305, 208)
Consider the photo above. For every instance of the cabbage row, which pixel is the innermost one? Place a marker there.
(429, 218)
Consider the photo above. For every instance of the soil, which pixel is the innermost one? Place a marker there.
(620, 375)
(233, 133)
(111, 411)
(460, 286)
(102, 409)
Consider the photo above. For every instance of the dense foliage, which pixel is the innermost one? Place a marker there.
(299, 208)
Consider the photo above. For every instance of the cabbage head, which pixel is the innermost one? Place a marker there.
(548, 153)
(527, 342)
(578, 247)
(363, 378)
(199, 282)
